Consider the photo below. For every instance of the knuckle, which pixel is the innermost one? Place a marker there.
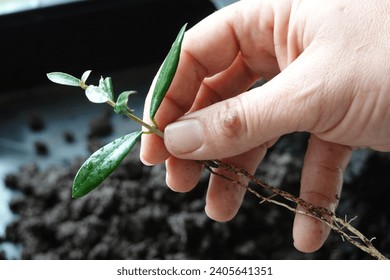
(231, 121)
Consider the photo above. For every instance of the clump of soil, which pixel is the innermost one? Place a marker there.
(35, 121)
(100, 126)
(69, 137)
(41, 148)
(133, 215)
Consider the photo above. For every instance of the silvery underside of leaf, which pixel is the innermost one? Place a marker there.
(64, 79)
(96, 94)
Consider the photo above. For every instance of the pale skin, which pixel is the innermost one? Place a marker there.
(328, 66)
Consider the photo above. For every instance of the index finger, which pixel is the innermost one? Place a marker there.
(209, 48)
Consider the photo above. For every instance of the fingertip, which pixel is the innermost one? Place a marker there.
(309, 234)
(143, 156)
(223, 199)
(152, 150)
(218, 215)
(145, 161)
(185, 174)
(183, 137)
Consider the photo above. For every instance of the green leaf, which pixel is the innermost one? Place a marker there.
(63, 79)
(166, 74)
(121, 102)
(106, 85)
(96, 94)
(85, 76)
(102, 163)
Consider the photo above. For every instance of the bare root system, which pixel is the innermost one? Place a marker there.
(284, 199)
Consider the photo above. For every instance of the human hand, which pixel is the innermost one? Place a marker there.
(328, 66)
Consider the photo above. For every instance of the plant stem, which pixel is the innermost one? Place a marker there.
(151, 129)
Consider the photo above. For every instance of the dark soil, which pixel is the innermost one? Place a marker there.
(35, 121)
(100, 126)
(133, 215)
(69, 137)
(41, 148)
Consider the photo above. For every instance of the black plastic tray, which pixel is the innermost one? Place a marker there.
(100, 34)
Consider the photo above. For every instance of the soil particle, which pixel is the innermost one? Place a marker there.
(2, 255)
(101, 126)
(41, 148)
(69, 137)
(35, 121)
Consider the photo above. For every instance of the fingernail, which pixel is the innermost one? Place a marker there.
(183, 137)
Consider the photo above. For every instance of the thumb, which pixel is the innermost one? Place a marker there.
(251, 119)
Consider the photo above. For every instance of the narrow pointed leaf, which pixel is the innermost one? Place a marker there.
(109, 87)
(102, 163)
(63, 79)
(121, 102)
(106, 86)
(85, 76)
(166, 73)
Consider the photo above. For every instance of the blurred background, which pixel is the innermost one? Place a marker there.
(14, 6)
(46, 131)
